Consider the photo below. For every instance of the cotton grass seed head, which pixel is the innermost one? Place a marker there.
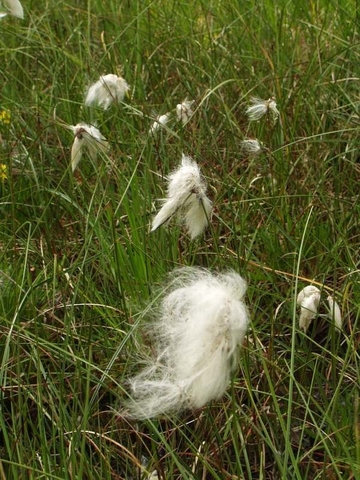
(308, 299)
(197, 326)
(259, 108)
(12, 7)
(89, 138)
(159, 122)
(251, 148)
(184, 111)
(186, 199)
(107, 90)
(335, 312)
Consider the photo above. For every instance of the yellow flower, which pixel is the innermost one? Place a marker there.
(5, 117)
(3, 172)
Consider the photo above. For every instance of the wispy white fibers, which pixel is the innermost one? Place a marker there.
(184, 111)
(260, 107)
(335, 312)
(13, 7)
(199, 323)
(107, 90)
(86, 137)
(308, 299)
(186, 198)
(251, 148)
(159, 122)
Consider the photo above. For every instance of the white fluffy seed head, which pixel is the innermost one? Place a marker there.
(260, 107)
(89, 138)
(107, 90)
(335, 312)
(199, 324)
(251, 147)
(186, 198)
(196, 215)
(13, 7)
(308, 299)
(159, 122)
(184, 111)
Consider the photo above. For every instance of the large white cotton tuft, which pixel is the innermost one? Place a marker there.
(107, 90)
(200, 322)
(186, 197)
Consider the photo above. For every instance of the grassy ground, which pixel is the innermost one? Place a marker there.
(77, 261)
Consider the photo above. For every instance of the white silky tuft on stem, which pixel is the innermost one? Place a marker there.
(186, 198)
(335, 312)
(200, 322)
(308, 299)
(107, 90)
(86, 137)
(184, 111)
(160, 121)
(13, 7)
(260, 107)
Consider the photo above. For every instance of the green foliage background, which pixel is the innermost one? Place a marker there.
(78, 264)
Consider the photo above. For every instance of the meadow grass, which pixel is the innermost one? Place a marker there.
(78, 264)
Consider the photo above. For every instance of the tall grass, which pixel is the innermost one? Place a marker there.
(77, 261)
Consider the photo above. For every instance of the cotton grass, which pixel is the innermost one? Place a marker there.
(196, 327)
(89, 138)
(107, 90)
(186, 199)
(184, 111)
(260, 108)
(308, 299)
(12, 7)
(160, 121)
(251, 147)
(335, 312)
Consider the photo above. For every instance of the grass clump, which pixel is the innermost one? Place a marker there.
(77, 260)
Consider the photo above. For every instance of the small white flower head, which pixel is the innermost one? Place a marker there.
(251, 148)
(89, 138)
(335, 312)
(186, 198)
(12, 7)
(308, 299)
(184, 111)
(107, 90)
(159, 122)
(153, 476)
(259, 108)
(199, 321)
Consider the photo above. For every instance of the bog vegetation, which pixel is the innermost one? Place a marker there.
(79, 262)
